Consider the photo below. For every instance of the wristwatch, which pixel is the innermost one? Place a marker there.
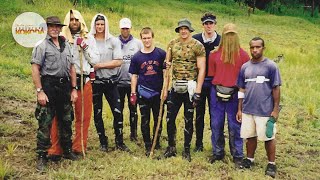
(75, 87)
(39, 90)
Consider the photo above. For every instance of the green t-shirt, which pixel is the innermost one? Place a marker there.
(184, 58)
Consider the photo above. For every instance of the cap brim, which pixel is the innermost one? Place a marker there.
(125, 27)
(57, 24)
(208, 20)
(230, 31)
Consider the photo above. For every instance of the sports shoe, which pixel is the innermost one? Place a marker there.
(246, 163)
(122, 147)
(271, 170)
(198, 148)
(104, 148)
(237, 161)
(215, 158)
(41, 164)
(171, 151)
(186, 155)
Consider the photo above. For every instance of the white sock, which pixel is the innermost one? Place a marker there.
(274, 163)
(251, 159)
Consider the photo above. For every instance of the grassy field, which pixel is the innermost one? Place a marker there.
(298, 139)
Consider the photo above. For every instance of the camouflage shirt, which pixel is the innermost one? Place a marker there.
(184, 58)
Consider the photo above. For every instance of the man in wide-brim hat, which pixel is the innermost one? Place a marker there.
(188, 72)
(54, 20)
(54, 77)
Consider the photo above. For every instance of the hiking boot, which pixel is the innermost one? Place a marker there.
(186, 155)
(71, 156)
(122, 147)
(215, 158)
(104, 147)
(171, 151)
(41, 164)
(198, 148)
(246, 163)
(271, 170)
(237, 162)
(54, 157)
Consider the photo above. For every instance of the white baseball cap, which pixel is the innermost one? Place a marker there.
(125, 23)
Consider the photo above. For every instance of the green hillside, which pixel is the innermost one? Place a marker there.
(298, 139)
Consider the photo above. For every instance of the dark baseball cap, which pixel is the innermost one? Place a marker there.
(209, 18)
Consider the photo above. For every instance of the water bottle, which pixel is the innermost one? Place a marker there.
(270, 127)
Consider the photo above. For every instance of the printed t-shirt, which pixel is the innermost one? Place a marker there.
(149, 68)
(258, 79)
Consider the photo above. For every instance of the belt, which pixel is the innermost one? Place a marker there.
(60, 80)
(84, 76)
(103, 80)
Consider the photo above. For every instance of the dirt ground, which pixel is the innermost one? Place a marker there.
(17, 142)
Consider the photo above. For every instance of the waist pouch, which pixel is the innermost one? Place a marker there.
(225, 93)
(147, 92)
(180, 86)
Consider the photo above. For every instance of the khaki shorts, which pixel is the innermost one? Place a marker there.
(255, 126)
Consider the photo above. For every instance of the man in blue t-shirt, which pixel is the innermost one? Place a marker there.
(147, 68)
(259, 96)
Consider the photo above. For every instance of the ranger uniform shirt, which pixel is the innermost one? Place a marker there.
(184, 58)
(53, 61)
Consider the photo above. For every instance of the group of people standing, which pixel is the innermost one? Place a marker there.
(81, 66)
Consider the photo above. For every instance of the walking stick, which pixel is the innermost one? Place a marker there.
(82, 103)
(164, 89)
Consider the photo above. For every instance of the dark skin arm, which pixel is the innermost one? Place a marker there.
(276, 102)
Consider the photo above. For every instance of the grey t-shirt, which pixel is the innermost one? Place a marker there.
(53, 62)
(258, 80)
(108, 50)
(128, 50)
